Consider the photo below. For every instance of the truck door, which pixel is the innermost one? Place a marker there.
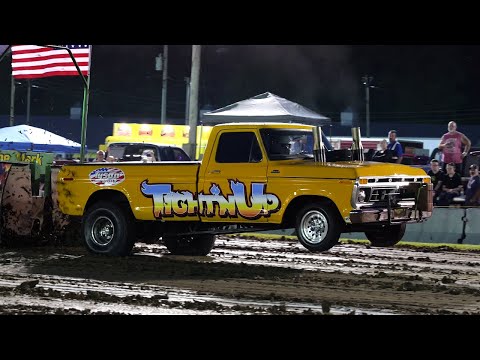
(232, 187)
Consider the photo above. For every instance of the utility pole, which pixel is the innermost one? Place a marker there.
(164, 84)
(12, 102)
(187, 99)
(193, 101)
(367, 81)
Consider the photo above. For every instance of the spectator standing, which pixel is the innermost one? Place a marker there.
(395, 146)
(451, 186)
(472, 193)
(451, 145)
(437, 179)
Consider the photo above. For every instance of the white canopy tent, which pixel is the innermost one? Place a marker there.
(266, 107)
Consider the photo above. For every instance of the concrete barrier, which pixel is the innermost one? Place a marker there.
(472, 226)
(445, 226)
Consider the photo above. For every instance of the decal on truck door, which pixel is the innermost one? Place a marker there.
(168, 202)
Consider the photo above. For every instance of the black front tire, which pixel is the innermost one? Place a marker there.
(318, 227)
(386, 236)
(198, 245)
(108, 229)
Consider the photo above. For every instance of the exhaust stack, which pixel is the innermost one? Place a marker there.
(318, 147)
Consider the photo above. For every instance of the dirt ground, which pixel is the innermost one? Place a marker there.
(242, 275)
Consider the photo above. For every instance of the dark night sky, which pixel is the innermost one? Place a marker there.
(427, 83)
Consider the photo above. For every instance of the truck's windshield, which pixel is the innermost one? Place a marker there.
(288, 143)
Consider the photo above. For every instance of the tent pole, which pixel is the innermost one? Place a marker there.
(12, 102)
(29, 93)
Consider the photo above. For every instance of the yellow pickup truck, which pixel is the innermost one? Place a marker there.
(253, 177)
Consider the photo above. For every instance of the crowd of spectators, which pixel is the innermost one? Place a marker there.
(450, 188)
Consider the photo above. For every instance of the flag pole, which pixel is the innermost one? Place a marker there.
(86, 93)
(86, 96)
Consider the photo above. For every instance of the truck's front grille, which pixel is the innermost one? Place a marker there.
(382, 194)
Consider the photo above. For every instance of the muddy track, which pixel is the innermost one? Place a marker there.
(241, 276)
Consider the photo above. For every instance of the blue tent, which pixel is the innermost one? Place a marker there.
(30, 138)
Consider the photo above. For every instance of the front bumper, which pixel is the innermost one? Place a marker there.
(399, 215)
(418, 211)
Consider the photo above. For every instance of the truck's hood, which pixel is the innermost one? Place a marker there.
(342, 170)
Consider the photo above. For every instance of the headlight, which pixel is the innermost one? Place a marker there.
(361, 196)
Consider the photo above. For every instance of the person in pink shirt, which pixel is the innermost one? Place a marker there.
(451, 144)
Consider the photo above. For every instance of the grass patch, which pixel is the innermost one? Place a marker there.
(420, 245)
(262, 236)
(401, 244)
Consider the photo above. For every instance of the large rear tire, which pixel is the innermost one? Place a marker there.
(108, 229)
(198, 245)
(386, 236)
(318, 227)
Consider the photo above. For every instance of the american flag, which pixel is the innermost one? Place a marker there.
(32, 61)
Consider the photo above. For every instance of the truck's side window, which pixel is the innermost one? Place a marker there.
(238, 147)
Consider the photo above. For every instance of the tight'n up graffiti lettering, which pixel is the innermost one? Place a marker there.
(168, 202)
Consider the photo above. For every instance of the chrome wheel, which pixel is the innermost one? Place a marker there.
(314, 227)
(318, 226)
(108, 229)
(103, 231)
